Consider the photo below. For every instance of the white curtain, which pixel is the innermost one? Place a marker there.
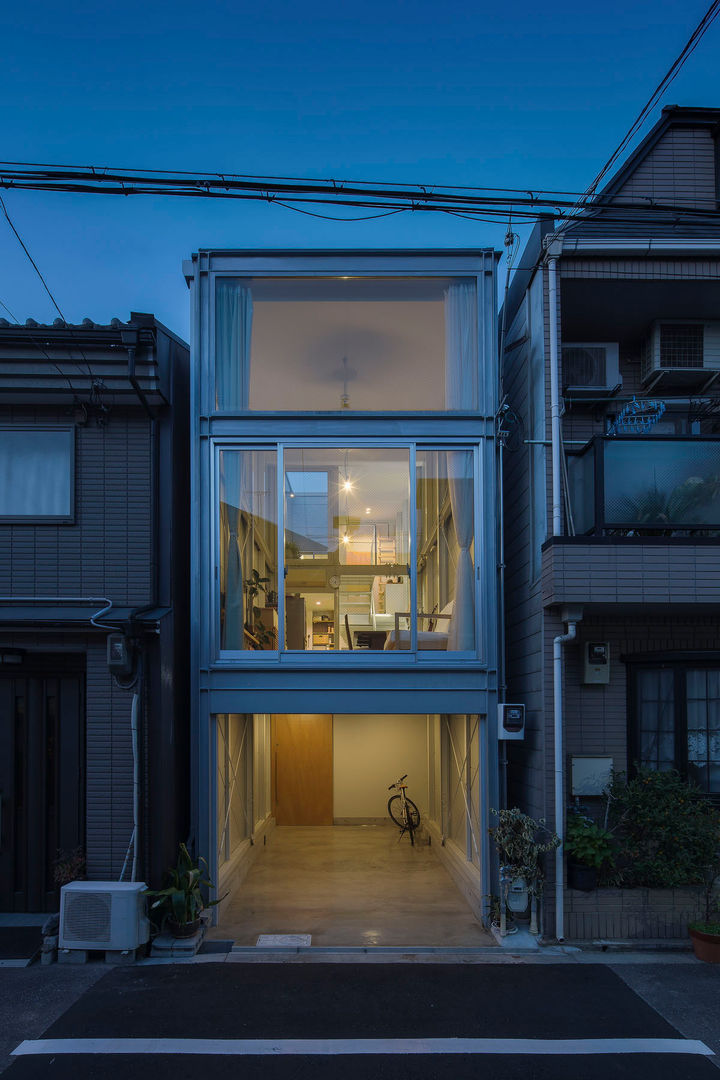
(235, 494)
(233, 331)
(461, 632)
(461, 346)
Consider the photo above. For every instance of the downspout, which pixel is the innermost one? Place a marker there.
(553, 252)
(570, 616)
(129, 339)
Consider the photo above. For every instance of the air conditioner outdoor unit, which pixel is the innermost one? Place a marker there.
(590, 369)
(681, 353)
(107, 915)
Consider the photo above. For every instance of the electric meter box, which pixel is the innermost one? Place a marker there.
(596, 666)
(119, 657)
(511, 721)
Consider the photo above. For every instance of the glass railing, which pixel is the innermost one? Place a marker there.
(630, 485)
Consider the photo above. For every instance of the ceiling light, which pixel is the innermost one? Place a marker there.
(367, 509)
(347, 486)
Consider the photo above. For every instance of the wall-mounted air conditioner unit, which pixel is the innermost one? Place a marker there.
(590, 369)
(108, 915)
(681, 353)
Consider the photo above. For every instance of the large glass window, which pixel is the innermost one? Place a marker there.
(353, 575)
(445, 551)
(37, 471)
(234, 768)
(676, 721)
(347, 541)
(358, 343)
(248, 549)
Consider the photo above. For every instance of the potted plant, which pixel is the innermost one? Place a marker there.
(180, 904)
(69, 866)
(498, 913)
(520, 841)
(705, 933)
(588, 848)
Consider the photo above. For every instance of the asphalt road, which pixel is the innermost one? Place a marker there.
(252, 1014)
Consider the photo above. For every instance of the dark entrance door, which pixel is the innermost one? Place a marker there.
(42, 776)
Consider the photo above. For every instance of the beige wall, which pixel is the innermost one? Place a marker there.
(371, 752)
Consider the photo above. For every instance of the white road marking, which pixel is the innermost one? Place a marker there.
(324, 1047)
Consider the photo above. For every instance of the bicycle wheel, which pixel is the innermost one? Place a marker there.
(395, 810)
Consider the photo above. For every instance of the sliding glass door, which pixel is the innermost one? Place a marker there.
(322, 549)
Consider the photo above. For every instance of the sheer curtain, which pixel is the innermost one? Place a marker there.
(461, 632)
(461, 346)
(233, 330)
(234, 494)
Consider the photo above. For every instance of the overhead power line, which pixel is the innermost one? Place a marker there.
(674, 69)
(475, 202)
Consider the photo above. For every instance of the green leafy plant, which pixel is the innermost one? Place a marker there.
(706, 927)
(69, 866)
(520, 841)
(667, 834)
(182, 899)
(586, 842)
(495, 907)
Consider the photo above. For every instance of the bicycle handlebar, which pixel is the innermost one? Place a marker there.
(397, 782)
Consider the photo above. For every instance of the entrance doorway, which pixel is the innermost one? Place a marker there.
(42, 782)
(305, 844)
(302, 766)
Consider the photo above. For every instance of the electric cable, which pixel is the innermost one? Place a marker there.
(674, 69)
(45, 284)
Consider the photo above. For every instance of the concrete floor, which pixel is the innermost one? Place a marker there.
(350, 885)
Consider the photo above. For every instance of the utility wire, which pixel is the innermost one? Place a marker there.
(47, 290)
(527, 203)
(32, 261)
(674, 69)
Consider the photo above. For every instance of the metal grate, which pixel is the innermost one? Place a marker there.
(86, 917)
(584, 365)
(681, 346)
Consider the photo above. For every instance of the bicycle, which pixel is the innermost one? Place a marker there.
(402, 810)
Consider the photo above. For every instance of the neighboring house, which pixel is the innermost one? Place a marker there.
(612, 508)
(93, 538)
(344, 610)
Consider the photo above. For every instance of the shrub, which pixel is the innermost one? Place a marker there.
(666, 831)
(586, 842)
(520, 841)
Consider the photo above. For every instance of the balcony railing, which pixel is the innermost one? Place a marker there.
(629, 485)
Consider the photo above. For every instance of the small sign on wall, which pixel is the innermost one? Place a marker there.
(590, 775)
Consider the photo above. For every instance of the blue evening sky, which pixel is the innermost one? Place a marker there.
(515, 94)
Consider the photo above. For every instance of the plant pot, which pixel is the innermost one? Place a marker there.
(583, 878)
(706, 946)
(183, 930)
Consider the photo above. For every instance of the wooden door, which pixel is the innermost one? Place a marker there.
(302, 765)
(42, 783)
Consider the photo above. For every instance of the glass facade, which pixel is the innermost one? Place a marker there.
(349, 580)
(345, 343)
(247, 549)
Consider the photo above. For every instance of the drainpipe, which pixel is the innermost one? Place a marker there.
(571, 617)
(130, 338)
(553, 251)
